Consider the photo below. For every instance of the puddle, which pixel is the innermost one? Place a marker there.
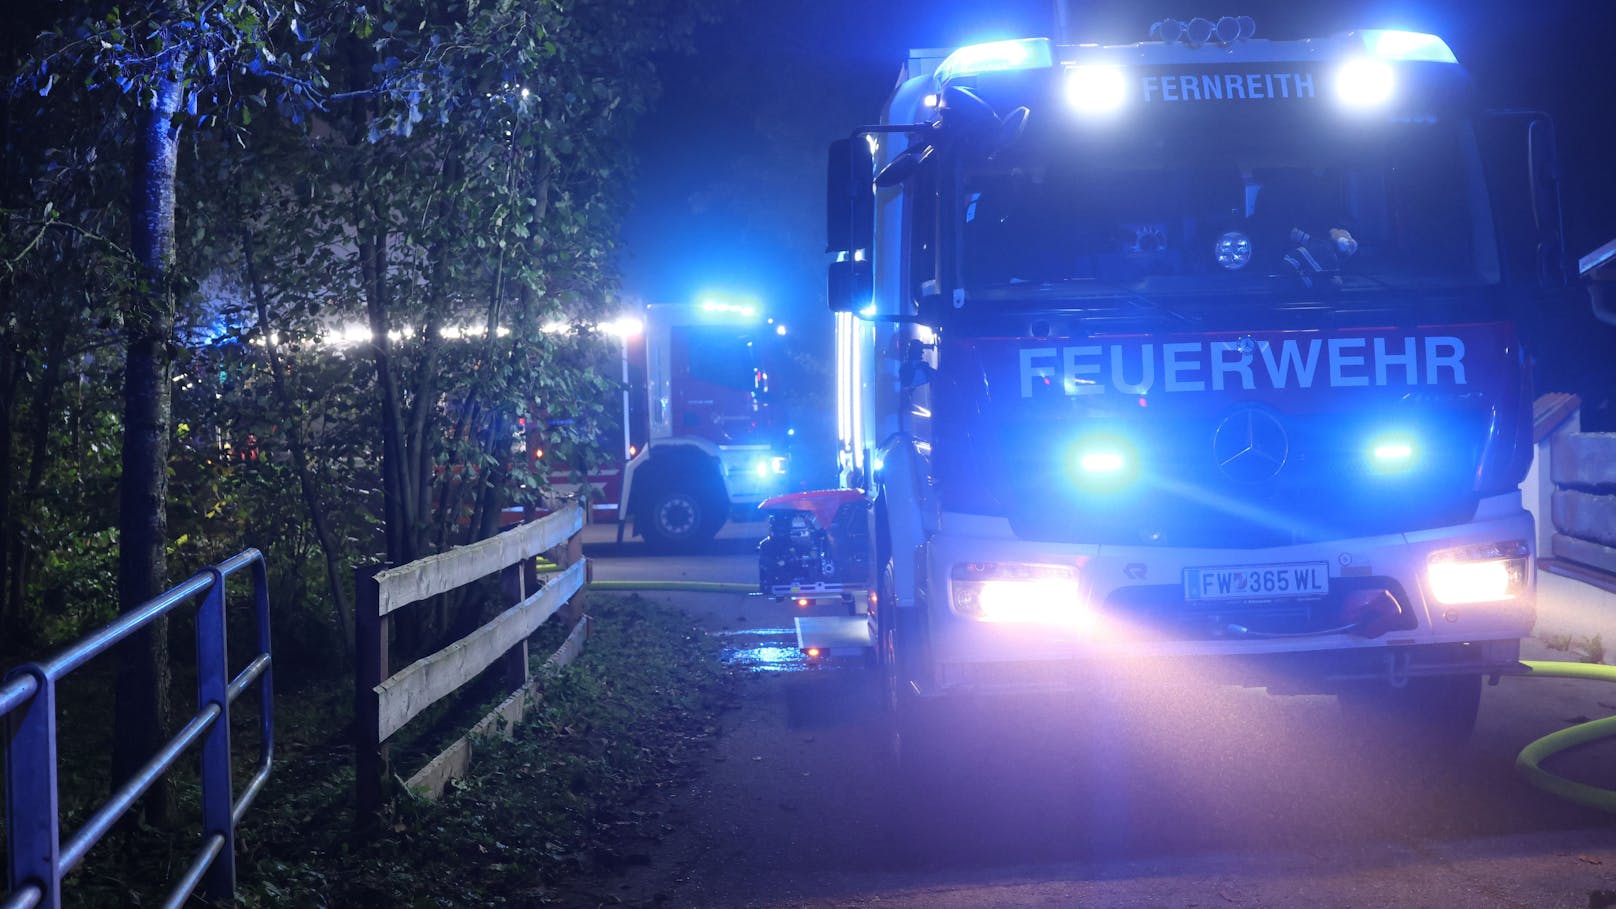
(763, 650)
(774, 658)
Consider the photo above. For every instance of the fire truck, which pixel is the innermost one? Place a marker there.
(700, 438)
(1202, 348)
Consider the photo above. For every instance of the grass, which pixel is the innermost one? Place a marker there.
(570, 797)
(1590, 649)
(555, 804)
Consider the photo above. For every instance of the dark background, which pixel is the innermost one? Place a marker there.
(730, 192)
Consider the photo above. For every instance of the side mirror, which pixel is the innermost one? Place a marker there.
(850, 284)
(849, 196)
(850, 222)
(1544, 162)
(1599, 269)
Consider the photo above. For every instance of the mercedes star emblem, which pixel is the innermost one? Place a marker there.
(1250, 445)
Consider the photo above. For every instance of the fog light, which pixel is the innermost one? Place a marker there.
(1480, 573)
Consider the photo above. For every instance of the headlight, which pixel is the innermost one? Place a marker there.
(778, 465)
(1479, 573)
(1015, 592)
(1096, 88)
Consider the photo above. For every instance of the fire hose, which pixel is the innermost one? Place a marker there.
(687, 586)
(1529, 762)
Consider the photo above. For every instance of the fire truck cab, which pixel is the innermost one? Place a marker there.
(701, 437)
(1198, 348)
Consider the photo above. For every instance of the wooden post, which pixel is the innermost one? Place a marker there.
(516, 585)
(371, 769)
(566, 556)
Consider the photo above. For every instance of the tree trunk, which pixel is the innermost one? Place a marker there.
(142, 716)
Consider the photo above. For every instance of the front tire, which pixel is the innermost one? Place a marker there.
(678, 520)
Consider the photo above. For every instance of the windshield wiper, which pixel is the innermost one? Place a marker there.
(1139, 300)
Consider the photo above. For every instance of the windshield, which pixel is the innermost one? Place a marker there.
(1225, 209)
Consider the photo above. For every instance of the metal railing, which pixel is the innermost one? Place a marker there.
(38, 859)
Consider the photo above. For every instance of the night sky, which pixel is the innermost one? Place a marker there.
(730, 194)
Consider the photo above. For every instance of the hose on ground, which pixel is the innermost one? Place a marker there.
(1529, 762)
(679, 586)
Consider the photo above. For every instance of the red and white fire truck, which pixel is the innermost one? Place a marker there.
(1201, 347)
(701, 438)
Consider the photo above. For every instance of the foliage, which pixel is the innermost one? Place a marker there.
(440, 184)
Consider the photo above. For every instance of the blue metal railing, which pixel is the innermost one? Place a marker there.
(38, 858)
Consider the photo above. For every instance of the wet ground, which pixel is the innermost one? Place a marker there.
(1169, 792)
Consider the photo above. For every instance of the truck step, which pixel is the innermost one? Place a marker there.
(833, 635)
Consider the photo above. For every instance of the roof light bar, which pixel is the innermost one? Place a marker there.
(995, 57)
(1199, 31)
(1415, 47)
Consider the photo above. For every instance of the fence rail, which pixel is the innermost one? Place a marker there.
(386, 700)
(38, 860)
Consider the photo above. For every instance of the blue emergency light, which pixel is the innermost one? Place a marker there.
(996, 57)
(1408, 47)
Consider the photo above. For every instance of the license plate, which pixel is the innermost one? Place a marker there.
(1248, 582)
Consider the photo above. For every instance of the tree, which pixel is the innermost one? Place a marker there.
(458, 193)
(163, 56)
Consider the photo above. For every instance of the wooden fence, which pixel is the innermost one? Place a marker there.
(1580, 489)
(386, 700)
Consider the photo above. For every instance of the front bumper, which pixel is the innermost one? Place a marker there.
(752, 473)
(1140, 612)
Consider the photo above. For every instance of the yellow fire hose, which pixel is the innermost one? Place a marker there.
(696, 586)
(1529, 762)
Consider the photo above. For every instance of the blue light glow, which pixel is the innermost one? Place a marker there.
(1391, 44)
(995, 57)
(1393, 452)
(1390, 454)
(725, 308)
(1102, 461)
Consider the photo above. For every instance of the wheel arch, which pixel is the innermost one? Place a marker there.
(660, 462)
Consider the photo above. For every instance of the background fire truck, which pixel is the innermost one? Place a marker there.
(699, 437)
(1199, 348)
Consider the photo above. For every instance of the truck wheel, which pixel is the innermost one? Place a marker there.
(678, 520)
(1430, 711)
